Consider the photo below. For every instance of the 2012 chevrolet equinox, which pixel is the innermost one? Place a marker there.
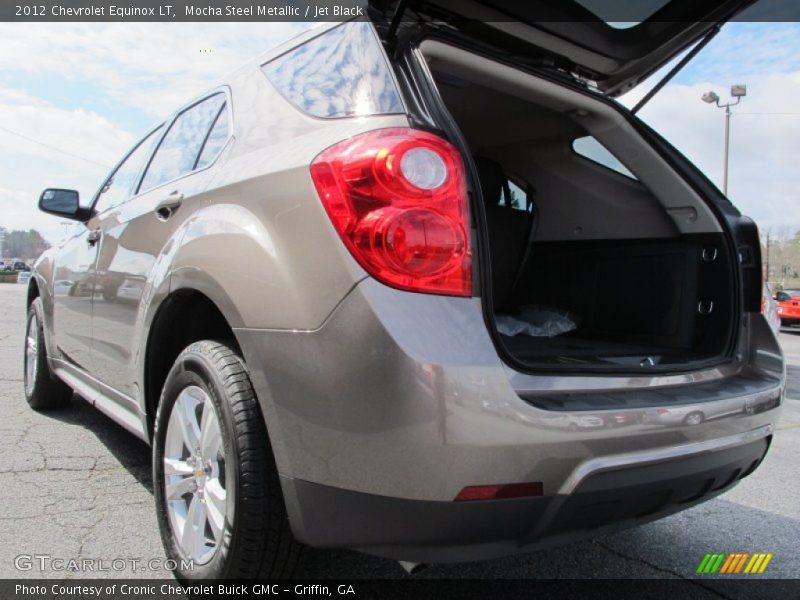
(421, 291)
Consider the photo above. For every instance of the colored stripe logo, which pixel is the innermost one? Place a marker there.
(736, 562)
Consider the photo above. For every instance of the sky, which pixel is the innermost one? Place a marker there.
(75, 97)
(765, 126)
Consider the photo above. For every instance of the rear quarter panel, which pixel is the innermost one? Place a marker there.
(262, 246)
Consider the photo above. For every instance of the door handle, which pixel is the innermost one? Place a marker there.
(93, 236)
(167, 207)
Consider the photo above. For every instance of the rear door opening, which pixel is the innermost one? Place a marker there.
(601, 257)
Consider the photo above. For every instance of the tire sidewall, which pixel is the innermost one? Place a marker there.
(42, 368)
(192, 368)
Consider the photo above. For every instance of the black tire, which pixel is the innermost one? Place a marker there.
(44, 391)
(259, 542)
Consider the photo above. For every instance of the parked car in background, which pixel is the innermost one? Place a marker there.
(694, 415)
(788, 307)
(769, 307)
(130, 290)
(23, 276)
(311, 258)
(21, 266)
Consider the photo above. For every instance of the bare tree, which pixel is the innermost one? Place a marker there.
(781, 255)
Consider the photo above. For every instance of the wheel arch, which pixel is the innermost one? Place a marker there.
(184, 316)
(169, 302)
(40, 286)
(33, 292)
(190, 313)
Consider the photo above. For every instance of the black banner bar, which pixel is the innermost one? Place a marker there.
(410, 588)
(343, 10)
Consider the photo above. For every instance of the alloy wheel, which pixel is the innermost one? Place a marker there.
(194, 475)
(694, 418)
(31, 354)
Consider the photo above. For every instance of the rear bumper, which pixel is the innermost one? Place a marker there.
(611, 494)
(789, 315)
(380, 417)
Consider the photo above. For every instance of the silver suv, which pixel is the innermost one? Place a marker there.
(419, 289)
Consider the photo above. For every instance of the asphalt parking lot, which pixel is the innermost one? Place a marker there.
(76, 485)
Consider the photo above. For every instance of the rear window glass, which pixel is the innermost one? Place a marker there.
(177, 154)
(216, 139)
(590, 148)
(341, 73)
(515, 197)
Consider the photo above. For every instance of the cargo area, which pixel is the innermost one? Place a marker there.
(601, 257)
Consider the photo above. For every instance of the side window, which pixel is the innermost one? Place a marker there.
(177, 154)
(514, 196)
(590, 148)
(341, 73)
(216, 139)
(119, 187)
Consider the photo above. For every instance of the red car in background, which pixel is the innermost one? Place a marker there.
(789, 307)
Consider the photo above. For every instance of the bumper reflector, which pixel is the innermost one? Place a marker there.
(500, 491)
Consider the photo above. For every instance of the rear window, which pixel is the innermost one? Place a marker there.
(514, 196)
(588, 147)
(341, 73)
(216, 139)
(179, 150)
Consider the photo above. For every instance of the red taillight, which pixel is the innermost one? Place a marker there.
(398, 199)
(499, 491)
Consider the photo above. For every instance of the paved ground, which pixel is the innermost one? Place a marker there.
(74, 484)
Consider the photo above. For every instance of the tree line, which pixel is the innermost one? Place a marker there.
(780, 251)
(22, 244)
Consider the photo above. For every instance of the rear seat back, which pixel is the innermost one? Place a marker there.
(509, 230)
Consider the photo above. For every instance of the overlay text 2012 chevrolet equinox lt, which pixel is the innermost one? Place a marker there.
(421, 290)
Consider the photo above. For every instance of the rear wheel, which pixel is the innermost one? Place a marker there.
(218, 499)
(43, 390)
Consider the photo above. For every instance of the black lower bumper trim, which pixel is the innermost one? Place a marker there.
(433, 531)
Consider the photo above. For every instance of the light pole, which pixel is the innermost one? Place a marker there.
(67, 226)
(738, 91)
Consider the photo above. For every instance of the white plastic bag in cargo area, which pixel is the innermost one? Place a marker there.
(537, 321)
